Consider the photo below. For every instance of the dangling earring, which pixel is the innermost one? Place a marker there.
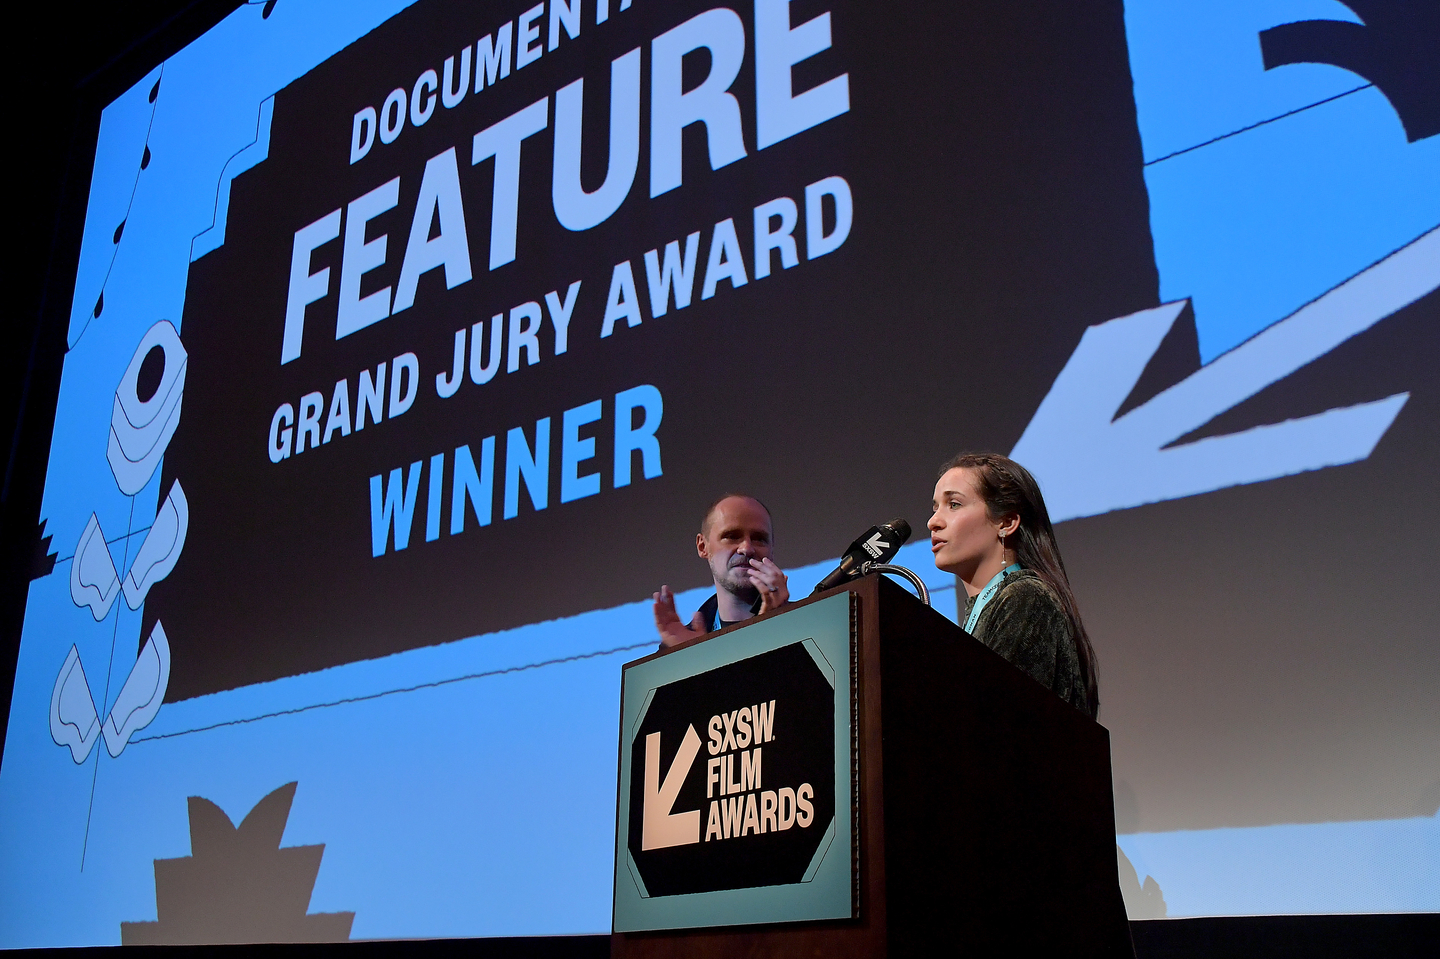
(1003, 550)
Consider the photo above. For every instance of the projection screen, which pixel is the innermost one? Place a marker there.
(410, 341)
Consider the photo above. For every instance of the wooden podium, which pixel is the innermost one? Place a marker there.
(985, 814)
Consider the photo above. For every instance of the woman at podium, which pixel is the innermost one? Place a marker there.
(991, 529)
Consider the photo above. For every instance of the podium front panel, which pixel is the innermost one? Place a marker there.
(737, 781)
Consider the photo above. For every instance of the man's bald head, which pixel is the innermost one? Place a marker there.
(715, 507)
(736, 529)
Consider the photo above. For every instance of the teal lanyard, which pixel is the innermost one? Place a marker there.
(987, 594)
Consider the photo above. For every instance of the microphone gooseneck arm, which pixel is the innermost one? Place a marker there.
(907, 574)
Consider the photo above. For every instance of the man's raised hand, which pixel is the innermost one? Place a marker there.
(772, 583)
(667, 621)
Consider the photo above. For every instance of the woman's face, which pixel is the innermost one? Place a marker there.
(962, 535)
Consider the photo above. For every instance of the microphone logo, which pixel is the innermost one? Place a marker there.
(875, 546)
(878, 544)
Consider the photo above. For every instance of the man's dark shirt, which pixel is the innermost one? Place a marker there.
(711, 611)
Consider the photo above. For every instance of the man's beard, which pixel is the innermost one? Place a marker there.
(737, 582)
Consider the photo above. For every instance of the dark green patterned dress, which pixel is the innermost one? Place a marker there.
(1026, 624)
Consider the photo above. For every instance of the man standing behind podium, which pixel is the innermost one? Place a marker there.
(736, 538)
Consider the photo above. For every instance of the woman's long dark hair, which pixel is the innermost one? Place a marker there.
(1007, 487)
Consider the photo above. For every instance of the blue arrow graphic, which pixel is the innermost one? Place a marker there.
(1089, 462)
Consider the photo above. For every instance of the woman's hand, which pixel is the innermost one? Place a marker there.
(667, 621)
(770, 580)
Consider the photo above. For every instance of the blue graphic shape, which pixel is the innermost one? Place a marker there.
(1092, 462)
(214, 237)
(205, 112)
(1199, 73)
(141, 696)
(140, 430)
(73, 720)
(94, 580)
(1267, 188)
(158, 163)
(119, 149)
(1388, 865)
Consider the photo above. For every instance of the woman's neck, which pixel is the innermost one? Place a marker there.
(985, 571)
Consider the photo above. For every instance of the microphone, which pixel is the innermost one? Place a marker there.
(878, 544)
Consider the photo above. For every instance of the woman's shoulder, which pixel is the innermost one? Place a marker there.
(1029, 600)
(1033, 632)
(1024, 586)
(1025, 609)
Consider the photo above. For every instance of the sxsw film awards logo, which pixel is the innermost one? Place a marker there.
(751, 803)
